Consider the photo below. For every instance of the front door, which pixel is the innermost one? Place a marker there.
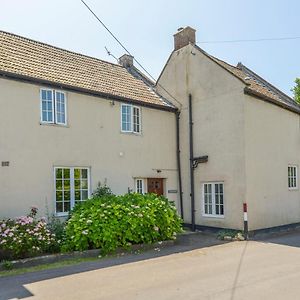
(155, 185)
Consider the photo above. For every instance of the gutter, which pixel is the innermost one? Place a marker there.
(270, 100)
(28, 79)
(179, 163)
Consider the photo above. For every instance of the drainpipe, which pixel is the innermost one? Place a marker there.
(191, 163)
(178, 162)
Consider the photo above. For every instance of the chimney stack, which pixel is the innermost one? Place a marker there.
(126, 61)
(184, 36)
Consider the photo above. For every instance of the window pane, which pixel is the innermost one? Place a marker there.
(67, 206)
(58, 184)
(67, 186)
(136, 119)
(59, 207)
(67, 173)
(76, 173)
(126, 117)
(67, 196)
(77, 184)
(84, 195)
(49, 95)
(60, 108)
(84, 173)
(59, 196)
(49, 118)
(58, 173)
(77, 195)
(84, 184)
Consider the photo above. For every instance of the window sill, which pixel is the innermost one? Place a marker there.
(214, 216)
(54, 124)
(131, 133)
(61, 215)
(293, 189)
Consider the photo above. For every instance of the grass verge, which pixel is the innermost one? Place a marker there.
(55, 265)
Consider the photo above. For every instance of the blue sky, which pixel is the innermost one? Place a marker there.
(146, 28)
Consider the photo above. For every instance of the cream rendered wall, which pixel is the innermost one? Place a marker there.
(218, 115)
(91, 139)
(272, 137)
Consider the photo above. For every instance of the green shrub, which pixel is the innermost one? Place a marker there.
(228, 232)
(111, 221)
(7, 265)
(57, 229)
(102, 190)
(26, 236)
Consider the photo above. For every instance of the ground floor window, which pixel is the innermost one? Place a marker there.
(71, 186)
(140, 185)
(293, 177)
(213, 199)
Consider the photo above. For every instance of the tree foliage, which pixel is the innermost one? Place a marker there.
(296, 90)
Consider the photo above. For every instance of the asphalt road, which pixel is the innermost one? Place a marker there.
(263, 269)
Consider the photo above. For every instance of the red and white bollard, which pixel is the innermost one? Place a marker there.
(245, 209)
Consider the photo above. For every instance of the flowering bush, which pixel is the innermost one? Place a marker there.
(112, 221)
(26, 236)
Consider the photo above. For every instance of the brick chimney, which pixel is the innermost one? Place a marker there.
(184, 36)
(126, 61)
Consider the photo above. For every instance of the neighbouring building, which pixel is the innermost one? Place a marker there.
(250, 132)
(208, 135)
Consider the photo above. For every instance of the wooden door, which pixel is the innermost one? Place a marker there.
(155, 185)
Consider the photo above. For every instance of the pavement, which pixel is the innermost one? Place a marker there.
(198, 267)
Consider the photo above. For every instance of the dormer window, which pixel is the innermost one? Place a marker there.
(130, 118)
(53, 107)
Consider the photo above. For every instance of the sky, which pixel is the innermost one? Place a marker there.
(146, 29)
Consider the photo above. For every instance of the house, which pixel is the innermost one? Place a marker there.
(69, 121)
(212, 137)
(241, 131)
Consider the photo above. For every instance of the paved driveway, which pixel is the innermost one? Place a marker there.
(265, 269)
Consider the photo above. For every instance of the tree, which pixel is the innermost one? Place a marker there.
(296, 90)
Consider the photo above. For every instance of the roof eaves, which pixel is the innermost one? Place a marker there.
(25, 78)
(273, 88)
(284, 105)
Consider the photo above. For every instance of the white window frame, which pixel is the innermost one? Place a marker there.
(72, 187)
(54, 107)
(56, 110)
(131, 125)
(143, 181)
(293, 177)
(213, 215)
(41, 107)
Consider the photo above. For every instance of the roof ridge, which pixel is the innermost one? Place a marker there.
(59, 48)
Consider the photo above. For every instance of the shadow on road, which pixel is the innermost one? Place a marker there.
(291, 238)
(13, 286)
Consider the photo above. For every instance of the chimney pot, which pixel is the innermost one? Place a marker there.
(184, 36)
(126, 61)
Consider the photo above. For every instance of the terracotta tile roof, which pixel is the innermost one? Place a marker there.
(28, 58)
(256, 85)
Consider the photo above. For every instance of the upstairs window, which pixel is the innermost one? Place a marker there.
(292, 177)
(53, 107)
(130, 118)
